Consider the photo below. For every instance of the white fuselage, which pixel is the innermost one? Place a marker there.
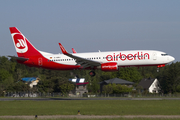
(123, 58)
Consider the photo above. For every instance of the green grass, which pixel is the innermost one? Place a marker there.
(90, 107)
(101, 119)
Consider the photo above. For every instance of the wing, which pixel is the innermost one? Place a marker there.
(83, 62)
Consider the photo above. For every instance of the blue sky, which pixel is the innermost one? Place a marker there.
(92, 25)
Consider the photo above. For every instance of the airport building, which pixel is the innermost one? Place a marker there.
(32, 81)
(81, 87)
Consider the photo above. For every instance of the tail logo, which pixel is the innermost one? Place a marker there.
(20, 43)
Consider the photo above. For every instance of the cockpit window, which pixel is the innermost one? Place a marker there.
(164, 54)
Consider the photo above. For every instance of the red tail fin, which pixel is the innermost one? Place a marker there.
(23, 47)
(63, 49)
(74, 50)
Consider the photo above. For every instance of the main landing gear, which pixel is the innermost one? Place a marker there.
(92, 73)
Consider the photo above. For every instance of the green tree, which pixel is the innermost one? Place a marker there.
(119, 89)
(66, 87)
(4, 74)
(93, 86)
(150, 71)
(130, 74)
(169, 78)
(45, 86)
(108, 89)
(6, 84)
(20, 86)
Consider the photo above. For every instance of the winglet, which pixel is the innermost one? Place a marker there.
(73, 50)
(63, 49)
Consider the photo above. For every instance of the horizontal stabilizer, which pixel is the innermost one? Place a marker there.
(19, 58)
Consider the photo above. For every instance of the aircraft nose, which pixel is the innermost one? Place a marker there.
(171, 58)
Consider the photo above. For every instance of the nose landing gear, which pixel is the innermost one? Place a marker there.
(157, 69)
(162, 65)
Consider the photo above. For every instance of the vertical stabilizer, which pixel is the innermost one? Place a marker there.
(23, 47)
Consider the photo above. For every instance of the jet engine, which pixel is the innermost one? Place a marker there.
(110, 66)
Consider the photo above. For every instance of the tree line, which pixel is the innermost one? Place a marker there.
(11, 73)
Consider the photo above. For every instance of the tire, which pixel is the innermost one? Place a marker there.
(92, 73)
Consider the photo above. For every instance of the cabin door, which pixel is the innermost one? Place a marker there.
(154, 55)
(40, 63)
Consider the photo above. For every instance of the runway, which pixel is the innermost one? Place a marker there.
(91, 116)
(103, 98)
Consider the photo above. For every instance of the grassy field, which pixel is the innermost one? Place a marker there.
(104, 119)
(90, 107)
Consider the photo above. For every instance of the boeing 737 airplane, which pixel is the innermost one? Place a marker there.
(106, 61)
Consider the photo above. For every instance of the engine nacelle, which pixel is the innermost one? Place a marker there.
(110, 66)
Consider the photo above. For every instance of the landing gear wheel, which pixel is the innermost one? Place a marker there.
(92, 73)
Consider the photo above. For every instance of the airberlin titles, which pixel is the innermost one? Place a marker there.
(123, 57)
